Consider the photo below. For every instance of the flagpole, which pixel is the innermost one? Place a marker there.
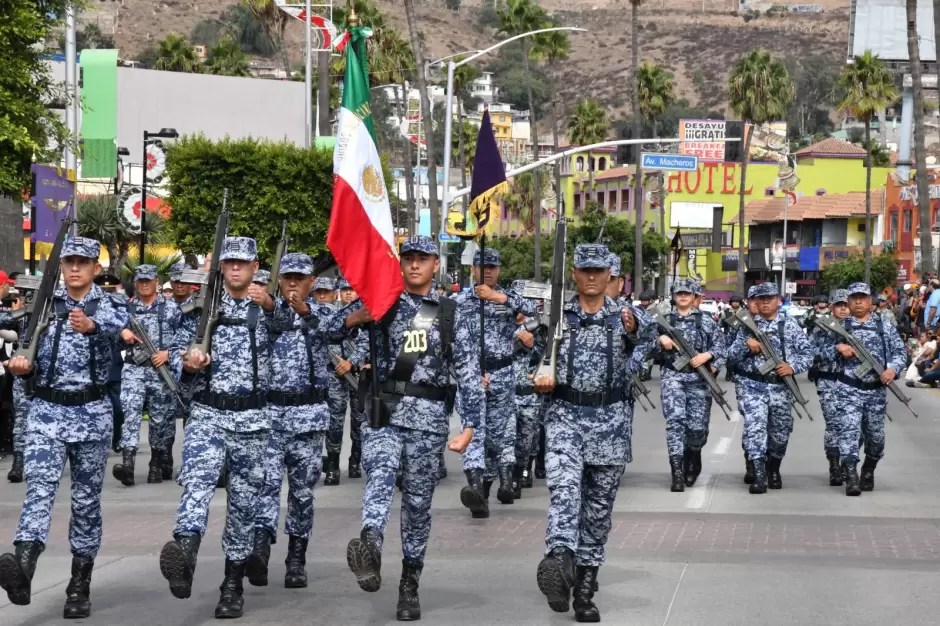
(308, 79)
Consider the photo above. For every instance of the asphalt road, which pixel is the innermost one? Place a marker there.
(714, 555)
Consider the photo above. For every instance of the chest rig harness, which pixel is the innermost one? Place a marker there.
(567, 393)
(315, 393)
(698, 342)
(134, 356)
(254, 400)
(769, 378)
(44, 390)
(854, 382)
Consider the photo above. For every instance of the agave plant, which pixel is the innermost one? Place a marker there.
(163, 264)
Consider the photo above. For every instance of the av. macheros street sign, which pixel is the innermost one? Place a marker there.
(672, 162)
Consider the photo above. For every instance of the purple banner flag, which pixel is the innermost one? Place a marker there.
(53, 197)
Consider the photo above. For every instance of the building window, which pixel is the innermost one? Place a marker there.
(936, 216)
(577, 202)
(893, 227)
(907, 221)
(769, 192)
(602, 164)
(601, 200)
(613, 200)
(820, 192)
(579, 164)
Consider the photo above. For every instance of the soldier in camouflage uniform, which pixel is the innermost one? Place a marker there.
(615, 284)
(528, 348)
(588, 430)
(324, 292)
(20, 400)
(862, 403)
(186, 329)
(728, 326)
(765, 401)
(228, 423)
(142, 389)
(824, 375)
(650, 307)
(262, 277)
(686, 399)
(69, 418)
(411, 336)
(492, 452)
(349, 297)
(109, 283)
(299, 418)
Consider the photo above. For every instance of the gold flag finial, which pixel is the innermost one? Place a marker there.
(351, 18)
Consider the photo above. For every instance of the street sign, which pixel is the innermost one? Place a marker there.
(790, 288)
(448, 238)
(670, 162)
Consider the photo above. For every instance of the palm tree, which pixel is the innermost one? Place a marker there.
(517, 17)
(175, 54)
(760, 91)
(588, 123)
(464, 146)
(635, 102)
(520, 201)
(274, 21)
(163, 264)
(463, 77)
(920, 157)
(227, 59)
(656, 95)
(98, 218)
(553, 47)
(869, 88)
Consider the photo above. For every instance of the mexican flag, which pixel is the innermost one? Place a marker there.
(361, 235)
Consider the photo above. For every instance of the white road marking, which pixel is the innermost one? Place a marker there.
(674, 594)
(722, 446)
(698, 495)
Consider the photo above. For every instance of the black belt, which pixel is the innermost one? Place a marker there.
(414, 390)
(858, 384)
(283, 398)
(820, 375)
(497, 364)
(232, 403)
(70, 398)
(583, 398)
(770, 379)
(525, 391)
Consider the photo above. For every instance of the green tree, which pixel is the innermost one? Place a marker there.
(515, 18)
(869, 88)
(162, 262)
(463, 78)
(89, 38)
(98, 218)
(227, 59)
(515, 256)
(760, 91)
(554, 47)
(175, 54)
(464, 147)
(522, 196)
(147, 56)
(588, 123)
(920, 138)
(841, 274)
(273, 21)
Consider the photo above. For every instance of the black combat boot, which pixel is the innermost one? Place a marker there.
(166, 463)
(222, 482)
(155, 473)
(296, 562)
(527, 474)
(231, 601)
(867, 480)
(15, 475)
(332, 469)
(693, 466)
(774, 481)
(355, 462)
(555, 577)
(256, 568)
(759, 485)
(16, 571)
(678, 474)
(124, 471)
(748, 472)
(472, 496)
(835, 471)
(850, 474)
(584, 608)
(505, 492)
(178, 563)
(517, 472)
(364, 558)
(78, 591)
(441, 468)
(409, 607)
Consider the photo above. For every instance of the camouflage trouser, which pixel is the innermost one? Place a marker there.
(301, 455)
(831, 415)
(528, 417)
(494, 443)
(337, 400)
(44, 461)
(418, 453)
(20, 414)
(863, 416)
(687, 409)
(581, 499)
(768, 421)
(205, 447)
(142, 390)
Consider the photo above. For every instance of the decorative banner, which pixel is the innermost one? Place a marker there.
(156, 161)
(129, 206)
(55, 190)
(322, 27)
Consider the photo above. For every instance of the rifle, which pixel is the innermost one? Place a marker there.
(349, 377)
(686, 353)
(208, 300)
(42, 309)
(640, 391)
(279, 253)
(869, 363)
(772, 360)
(553, 317)
(145, 351)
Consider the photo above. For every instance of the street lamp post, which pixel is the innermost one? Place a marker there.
(448, 120)
(122, 152)
(163, 133)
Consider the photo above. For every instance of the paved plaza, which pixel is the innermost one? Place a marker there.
(714, 555)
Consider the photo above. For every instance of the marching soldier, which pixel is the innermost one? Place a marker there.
(185, 331)
(20, 399)
(615, 284)
(685, 396)
(229, 423)
(348, 296)
(764, 400)
(324, 292)
(588, 431)
(142, 389)
(70, 418)
(262, 278)
(492, 453)
(863, 402)
(647, 304)
(109, 284)
(299, 418)
(824, 374)
(729, 328)
(424, 341)
(528, 348)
